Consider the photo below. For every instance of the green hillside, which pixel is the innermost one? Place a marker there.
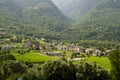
(101, 23)
(39, 18)
(9, 17)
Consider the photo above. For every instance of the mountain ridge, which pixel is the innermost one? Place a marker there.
(76, 9)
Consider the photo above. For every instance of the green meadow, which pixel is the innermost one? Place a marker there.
(39, 57)
(33, 57)
(102, 61)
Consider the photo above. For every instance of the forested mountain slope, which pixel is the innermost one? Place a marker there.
(9, 16)
(39, 18)
(99, 19)
(101, 23)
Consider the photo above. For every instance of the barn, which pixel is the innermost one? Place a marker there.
(53, 53)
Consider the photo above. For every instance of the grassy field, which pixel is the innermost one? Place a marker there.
(37, 57)
(33, 57)
(103, 61)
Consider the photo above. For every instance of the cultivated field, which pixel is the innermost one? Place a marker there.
(38, 57)
(33, 57)
(102, 61)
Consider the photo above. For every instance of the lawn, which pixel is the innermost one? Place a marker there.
(103, 61)
(33, 57)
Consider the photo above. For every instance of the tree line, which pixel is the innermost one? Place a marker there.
(62, 69)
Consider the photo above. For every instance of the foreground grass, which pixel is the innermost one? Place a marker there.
(33, 57)
(103, 61)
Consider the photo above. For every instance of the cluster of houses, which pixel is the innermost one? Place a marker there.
(80, 49)
(97, 52)
(52, 46)
(71, 47)
(47, 48)
(6, 48)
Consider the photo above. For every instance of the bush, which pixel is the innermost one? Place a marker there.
(13, 67)
(53, 70)
(58, 70)
(87, 71)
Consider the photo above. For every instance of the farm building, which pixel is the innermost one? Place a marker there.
(78, 59)
(53, 53)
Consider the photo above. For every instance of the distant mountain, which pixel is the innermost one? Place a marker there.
(102, 22)
(75, 9)
(40, 18)
(95, 19)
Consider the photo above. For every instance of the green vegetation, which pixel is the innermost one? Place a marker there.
(40, 18)
(101, 61)
(100, 23)
(115, 64)
(45, 20)
(40, 58)
(31, 32)
(102, 45)
(33, 57)
(52, 70)
(29, 63)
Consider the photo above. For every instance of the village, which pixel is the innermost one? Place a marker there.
(53, 48)
(36, 53)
